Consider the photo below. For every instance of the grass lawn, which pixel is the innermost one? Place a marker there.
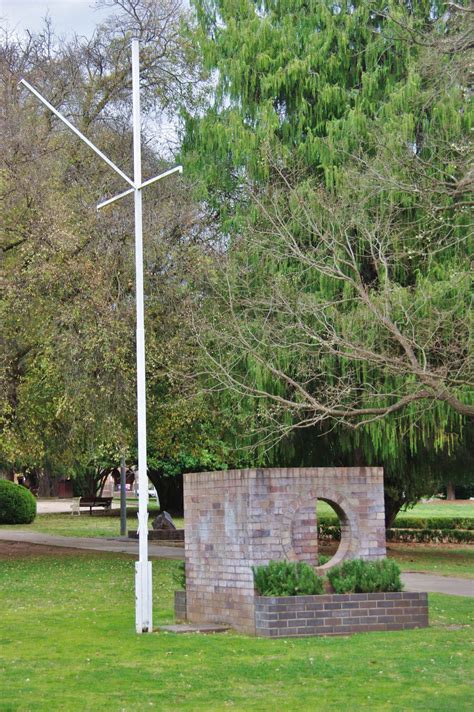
(67, 642)
(440, 508)
(446, 560)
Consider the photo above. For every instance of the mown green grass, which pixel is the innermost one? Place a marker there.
(435, 558)
(440, 509)
(68, 642)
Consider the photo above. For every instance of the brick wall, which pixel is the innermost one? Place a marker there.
(297, 616)
(239, 518)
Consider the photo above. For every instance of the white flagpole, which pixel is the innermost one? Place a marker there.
(143, 580)
(143, 617)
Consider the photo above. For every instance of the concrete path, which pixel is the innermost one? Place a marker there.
(117, 545)
(121, 545)
(438, 584)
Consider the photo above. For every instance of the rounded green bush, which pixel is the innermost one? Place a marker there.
(287, 578)
(358, 576)
(17, 504)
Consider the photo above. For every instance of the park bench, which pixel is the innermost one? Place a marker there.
(93, 502)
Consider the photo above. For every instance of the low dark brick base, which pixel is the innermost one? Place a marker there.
(334, 614)
(168, 535)
(339, 614)
(180, 605)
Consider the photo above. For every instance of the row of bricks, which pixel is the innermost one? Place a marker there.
(220, 597)
(219, 614)
(336, 630)
(331, 616)
(300, 472)
(303, 495)
(354, 608)
(363, 506)
(226, 569)
(340, 598)
(356, 498)
(330, 621)
(209, 587)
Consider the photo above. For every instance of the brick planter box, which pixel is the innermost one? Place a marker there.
(332, 614)
(339, 614)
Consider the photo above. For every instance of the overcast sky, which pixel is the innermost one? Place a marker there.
(68, 16)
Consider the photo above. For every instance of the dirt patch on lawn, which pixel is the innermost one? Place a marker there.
(25, 550)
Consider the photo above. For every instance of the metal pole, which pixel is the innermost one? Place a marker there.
(123, 498)
(143, 597)
(143, 610)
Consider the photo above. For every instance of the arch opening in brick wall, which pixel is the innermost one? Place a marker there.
(299, 530)
(344, 544)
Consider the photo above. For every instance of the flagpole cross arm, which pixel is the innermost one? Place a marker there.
(176, 169)
(83, 138)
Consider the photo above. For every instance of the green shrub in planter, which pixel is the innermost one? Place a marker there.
(287, 578)
(17, 504)
(358, 576)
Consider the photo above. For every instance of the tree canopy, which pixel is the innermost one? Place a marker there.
(67, 388)
(341, 177)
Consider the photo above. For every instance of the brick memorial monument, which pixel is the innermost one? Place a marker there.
(240, 518)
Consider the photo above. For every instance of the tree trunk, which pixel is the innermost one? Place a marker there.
(170, 491)
(450, 493)
(47, 484)
(392, 507)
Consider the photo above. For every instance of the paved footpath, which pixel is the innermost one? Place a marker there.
(438, 584)
(117, 545)
(121, 545)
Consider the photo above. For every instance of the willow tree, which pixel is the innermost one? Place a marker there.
(339, 173)
(297, 80)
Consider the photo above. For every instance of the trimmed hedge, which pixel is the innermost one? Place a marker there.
(17, 504)
(358, 576)
(420, 536)
(402, 522)
(287, 578)
(456, 530)
(433, 523)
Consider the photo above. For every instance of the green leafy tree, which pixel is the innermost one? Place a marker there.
(67, 359)
(341, 179)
